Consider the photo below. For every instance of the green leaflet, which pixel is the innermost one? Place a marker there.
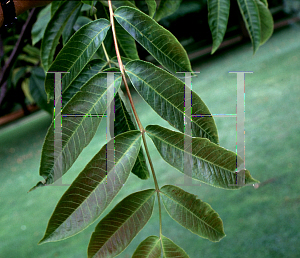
(93, 189)
(250, 13)
(39, 27)
(126, 43)
(192, 213)
(116, 230)
(76, 54)
(166, 8)
(149, 248)
(266, 21)
(77, 131)
(165, 94)
(265, 2)
(218, 13)
(54, 30)
(54, 6)
(158, 41)
(92, 68)
(171, 250)
(37, 90)
(151, 7)
(210, 163)
(81, 21)
(123, 123)
(68, 30)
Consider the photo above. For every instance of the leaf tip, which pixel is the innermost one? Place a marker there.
(42, 241)
(214, 49)
(39, 184)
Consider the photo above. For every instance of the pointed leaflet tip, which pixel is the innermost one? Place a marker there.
(39, 184)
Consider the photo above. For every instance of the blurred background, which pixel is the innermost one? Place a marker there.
(260, 221)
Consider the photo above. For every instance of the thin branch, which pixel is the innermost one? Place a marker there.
(111, 14)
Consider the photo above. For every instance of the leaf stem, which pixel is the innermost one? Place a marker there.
(106, 55)
(111, 14)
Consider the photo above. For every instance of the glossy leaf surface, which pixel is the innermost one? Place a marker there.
(210, 163)
(92, 68)
(76, 54)
(77, 130)
(158, 41)
(218, 13)
(149, 248)
(250, 13)
(54, 30)
(165, 94)
(93, 189)
(123, 123)
(116, 230)
(166, 8)
(68, 30)
(171, 250)
(192, 213)
(126, 43)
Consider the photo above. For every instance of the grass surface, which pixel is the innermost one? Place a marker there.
(262, 222)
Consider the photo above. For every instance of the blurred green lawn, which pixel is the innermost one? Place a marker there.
(262, 222)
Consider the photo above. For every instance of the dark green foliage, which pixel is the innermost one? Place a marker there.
(91, 51)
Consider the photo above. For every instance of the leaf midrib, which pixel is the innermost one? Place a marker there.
(176, 64)
(87, 46)
(78, 207)
(162, 140)
(194, 215)
(126, 220)
(193, 122)
(79, 124)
